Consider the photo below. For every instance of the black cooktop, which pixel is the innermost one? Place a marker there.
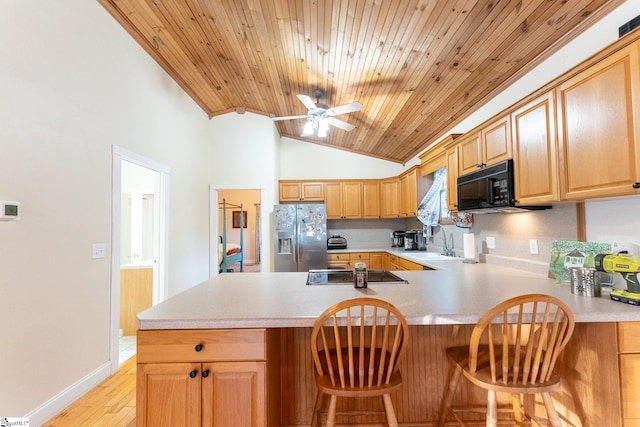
(344, 277)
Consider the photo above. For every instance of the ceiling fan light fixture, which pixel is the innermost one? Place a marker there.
(308, 128)
(323, 128)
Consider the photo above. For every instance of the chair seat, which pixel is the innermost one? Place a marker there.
(482, 376)
(326, 385)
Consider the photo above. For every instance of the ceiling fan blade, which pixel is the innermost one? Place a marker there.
(288, 118)
(307, 101)
(342, 109)
(340, 124)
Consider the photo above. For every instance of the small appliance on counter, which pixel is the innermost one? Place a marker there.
(410, 242)
(421, 241)
(398, 239)
(336, 242)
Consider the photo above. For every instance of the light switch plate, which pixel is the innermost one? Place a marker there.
(491, 242)
(533, 247)
(98, 250)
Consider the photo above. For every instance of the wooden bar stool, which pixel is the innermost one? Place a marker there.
(356, 347)
(513, 349)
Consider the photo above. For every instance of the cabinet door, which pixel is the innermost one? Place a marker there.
(371, 200)
(409, 193)
(168, 395)
(312, 191)
(351, 200)
(469, 155)
(599, 118)
(452, 179)
(290, 191)
(630, 384)
(333, 199)
(535, 147)
(390, 198)
(376, 260)
(233, 395)
(495, 141)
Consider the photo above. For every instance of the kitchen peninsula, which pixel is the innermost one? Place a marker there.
(237, 346)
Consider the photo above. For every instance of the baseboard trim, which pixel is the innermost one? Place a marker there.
(57, 403)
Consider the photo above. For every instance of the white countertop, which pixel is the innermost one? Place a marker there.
(455, 293)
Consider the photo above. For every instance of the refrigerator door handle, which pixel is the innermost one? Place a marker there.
(296, 249)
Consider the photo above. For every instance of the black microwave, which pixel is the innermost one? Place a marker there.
(490, 189)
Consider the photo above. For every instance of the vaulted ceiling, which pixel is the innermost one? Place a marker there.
(417, 67)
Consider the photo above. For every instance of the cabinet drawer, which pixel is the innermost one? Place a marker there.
(629, 337)
(359, 256)
(409, 265)
(216, 345)
(339, 257)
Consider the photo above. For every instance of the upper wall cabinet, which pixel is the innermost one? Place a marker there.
(599, 122)
(371, 199)
(490, 145)
(343, 199)
(409, 193)
(535, 151)
(301, 191)
(452, 178)
(390, 198)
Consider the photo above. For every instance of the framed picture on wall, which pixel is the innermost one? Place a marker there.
(236, 219)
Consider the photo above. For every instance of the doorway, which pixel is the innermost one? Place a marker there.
(251, 244)
(140, 206)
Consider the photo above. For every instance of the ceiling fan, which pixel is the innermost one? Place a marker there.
(320, 116)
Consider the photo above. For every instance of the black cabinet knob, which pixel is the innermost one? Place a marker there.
(193, 373)
(636, 185)
(199, 347)
(205, 373)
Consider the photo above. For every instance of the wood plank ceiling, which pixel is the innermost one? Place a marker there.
(418, 67)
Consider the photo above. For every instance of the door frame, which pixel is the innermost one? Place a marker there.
(161, 201)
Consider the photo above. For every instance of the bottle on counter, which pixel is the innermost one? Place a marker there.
(360, 275)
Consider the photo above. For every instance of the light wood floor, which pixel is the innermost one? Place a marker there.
(110, 403)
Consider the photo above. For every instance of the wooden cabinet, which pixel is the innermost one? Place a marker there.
(629, 359)
(371, 199)
(535, 151)
(491, 144)
(409, 193)
(405, 264)
(599, 119)
(340, 260)
(376, 260)
(136, 295)
(452, 178)
(201, 377)
(301, 191)
(390, 198)
(391, 262)
(343, 199)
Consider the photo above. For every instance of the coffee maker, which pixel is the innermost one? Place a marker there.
(398, 239)
(410, 243)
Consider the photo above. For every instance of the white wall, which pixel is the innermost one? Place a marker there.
(73, 84)
(302, 160)
(243, 154)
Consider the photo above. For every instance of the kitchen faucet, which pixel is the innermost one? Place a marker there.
(446, 250)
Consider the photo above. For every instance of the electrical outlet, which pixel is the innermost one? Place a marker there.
(533, 247)
(491, 242)
(98, 250)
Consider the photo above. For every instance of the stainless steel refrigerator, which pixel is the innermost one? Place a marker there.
(300, 237)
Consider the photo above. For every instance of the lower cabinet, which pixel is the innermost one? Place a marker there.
(629, 358)
(201, 378)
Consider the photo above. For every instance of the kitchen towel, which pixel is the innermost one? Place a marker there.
(430, 206)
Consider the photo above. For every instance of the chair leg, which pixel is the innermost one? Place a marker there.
(517, 408)
(492, 409)
(388, 409)
(316, 408)
(331, 416)
(454, 379)
(554, 419)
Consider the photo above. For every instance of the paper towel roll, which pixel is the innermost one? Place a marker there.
(469, 246)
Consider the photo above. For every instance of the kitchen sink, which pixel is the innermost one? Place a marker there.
(345, 277)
